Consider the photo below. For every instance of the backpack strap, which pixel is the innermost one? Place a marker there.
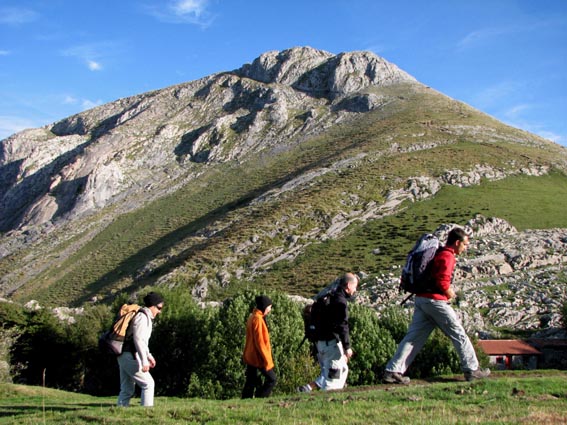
(129, 338)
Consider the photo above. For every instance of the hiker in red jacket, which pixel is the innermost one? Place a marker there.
(433, 310)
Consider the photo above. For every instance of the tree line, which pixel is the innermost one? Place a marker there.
(199, 349)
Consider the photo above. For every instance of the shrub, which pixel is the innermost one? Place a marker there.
(372, 344)
(180, 342)
(222, 375)
(12, 314)
(42, 349)
(12, 319)
(395, 320)
(437, 357)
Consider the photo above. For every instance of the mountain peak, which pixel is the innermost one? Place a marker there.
(321, 73)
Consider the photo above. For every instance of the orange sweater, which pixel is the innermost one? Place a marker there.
(257, 349)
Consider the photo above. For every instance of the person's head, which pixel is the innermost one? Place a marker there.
(349, 282)
(154, 302)
(458, 240)
(264, 304)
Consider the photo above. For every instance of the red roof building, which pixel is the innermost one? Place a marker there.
(510, 353)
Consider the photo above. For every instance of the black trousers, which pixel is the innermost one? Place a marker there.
(254, 387)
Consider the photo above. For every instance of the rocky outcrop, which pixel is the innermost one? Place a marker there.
(322, 74)
(506, 280)
(415, 189)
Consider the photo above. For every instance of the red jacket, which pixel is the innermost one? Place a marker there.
(257, 349)
(442, 273)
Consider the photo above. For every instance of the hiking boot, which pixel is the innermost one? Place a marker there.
(304, 388)
(395, 378)
(471, 375)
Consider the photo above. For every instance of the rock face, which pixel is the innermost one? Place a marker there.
(137, 146)
(506, 279)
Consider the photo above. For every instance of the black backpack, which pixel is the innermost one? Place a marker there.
(314, 318)
(416, 274)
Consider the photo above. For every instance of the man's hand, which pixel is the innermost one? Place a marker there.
(349, 353)
(449, 293)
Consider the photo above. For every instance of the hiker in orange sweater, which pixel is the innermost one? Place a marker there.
(258, 352)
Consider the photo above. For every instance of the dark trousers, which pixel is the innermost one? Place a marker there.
(254, 386)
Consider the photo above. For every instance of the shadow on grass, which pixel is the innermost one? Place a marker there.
(26, 409)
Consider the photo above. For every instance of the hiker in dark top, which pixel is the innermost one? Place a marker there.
(333, 348)
(433, 310)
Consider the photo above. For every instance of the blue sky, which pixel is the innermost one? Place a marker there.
(507, 58)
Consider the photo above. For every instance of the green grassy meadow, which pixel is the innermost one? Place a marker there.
(536, 397)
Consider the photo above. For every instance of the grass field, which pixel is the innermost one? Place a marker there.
(535, 397)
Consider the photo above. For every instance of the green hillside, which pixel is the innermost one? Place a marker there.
(194, 231)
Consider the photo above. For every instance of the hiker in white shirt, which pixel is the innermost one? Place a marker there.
(136, 360)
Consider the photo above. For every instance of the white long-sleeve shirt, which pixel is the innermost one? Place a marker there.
(142, 331)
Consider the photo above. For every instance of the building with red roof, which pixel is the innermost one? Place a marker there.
(510, 353)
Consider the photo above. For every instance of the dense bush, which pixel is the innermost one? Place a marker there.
(199, 350)
(437, 357)
(44, 353)
(12, 315)
(222, 375)
(12, 319)
(396, 320)
(180, 341)
(372, 344)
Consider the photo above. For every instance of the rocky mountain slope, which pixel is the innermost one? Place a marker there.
(263, 176)
(139, 145)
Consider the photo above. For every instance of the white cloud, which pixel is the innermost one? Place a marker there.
(90, 54)
(188, 7)
(554, 137)
(83, 103)
(194, 12)
(513, 118)
(11, 124)
(17, 15)
(485, 35)
(494, 94)
(93, 65)
(377, 48)
(516, 111)
(69, 100)
(89, 104)
(479, 36)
